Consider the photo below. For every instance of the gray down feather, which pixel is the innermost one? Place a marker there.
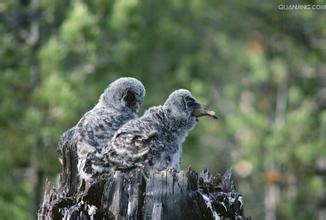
(118, 104)
(154, 141)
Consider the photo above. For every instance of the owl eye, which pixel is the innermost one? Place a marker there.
(130, 98)
(190, 102)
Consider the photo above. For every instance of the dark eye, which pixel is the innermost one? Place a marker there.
(130, 98)
(190, 102)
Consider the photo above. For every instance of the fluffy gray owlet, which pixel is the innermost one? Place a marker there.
(118, 104)
(154, 141)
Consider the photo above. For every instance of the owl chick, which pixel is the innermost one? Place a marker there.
(154, 141)
(118, 104)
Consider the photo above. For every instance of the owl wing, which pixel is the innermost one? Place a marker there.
(130, 148)
(86, 129)
(98, 126)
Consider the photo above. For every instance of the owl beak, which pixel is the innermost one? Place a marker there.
(136, 107)
(202, 110)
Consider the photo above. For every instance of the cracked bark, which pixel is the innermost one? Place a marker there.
(129, 195)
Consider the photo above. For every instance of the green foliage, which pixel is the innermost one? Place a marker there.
(260, 68)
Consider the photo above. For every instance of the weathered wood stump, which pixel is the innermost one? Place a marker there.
(131, 195)
(164, 195)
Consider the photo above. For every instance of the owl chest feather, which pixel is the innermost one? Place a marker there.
(167, 153)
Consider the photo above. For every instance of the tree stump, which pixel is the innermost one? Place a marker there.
(131, 195)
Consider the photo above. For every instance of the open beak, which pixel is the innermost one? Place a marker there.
(202, 110)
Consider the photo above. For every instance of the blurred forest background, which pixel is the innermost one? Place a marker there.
(262, 69)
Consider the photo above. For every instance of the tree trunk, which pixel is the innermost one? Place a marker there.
(132, 195)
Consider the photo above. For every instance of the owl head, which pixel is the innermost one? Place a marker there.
(184, 109)
(125, 93)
